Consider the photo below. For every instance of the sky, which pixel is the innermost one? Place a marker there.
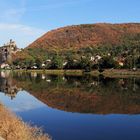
(26, 20)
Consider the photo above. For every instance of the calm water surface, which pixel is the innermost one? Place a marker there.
(75, 108)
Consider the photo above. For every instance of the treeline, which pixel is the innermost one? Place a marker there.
(125, 56)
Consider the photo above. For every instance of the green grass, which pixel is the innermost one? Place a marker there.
(54, 72)
(107, 73)
(121, 73)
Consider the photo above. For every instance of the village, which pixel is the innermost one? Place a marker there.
(90, 61)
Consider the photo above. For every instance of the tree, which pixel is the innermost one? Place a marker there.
(72, 62)
(38, 63)
(85, 64)
(56, 63)
(107, 62)
(138, 62)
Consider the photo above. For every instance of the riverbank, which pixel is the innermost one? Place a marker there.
(55, 72)
(121, 73)
(13, 128)
(106, 73)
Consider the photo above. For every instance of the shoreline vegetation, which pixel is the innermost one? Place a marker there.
(106, 73)
(13, 128)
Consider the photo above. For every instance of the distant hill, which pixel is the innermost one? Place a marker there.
(79, 37)
(74, 37)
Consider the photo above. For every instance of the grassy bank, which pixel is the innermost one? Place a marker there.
(107, 72)
(55, 72)
(121, 73)
(13, 128)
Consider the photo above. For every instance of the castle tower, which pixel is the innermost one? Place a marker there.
(6, 52)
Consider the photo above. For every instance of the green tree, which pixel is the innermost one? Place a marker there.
(107, 62)
(56, 63)
(85, 64)
(38, 63)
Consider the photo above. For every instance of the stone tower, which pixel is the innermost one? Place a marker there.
(6, 52)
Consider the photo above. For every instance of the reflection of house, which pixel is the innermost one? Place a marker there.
(33, 74)
(7, 87)
(11, 92)
(43, 76)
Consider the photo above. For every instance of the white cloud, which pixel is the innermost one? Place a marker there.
(19, 28)
(22, 34)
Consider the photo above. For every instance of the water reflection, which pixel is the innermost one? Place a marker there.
(7, 86)
(86, 94)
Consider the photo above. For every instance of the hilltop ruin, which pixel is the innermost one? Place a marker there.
(6, 53)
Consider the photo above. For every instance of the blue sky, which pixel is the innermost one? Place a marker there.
(26, 20)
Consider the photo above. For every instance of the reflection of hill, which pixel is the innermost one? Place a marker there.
(92, 95)
(74, 101)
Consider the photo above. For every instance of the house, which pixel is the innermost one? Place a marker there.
(34, 67)
(6, 52)
(65, 63)
(75, 60)
(109, 54)
(92, 58)
(43, 65)
(121, 63)
(98, 57)
(48, 60)
(4, 66)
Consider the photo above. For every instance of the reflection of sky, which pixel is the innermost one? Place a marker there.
(23, 102)
(63, 125)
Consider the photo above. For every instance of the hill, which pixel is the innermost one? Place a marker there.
(75, 37)
(89, 39)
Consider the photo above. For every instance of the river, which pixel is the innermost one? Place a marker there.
(75, 107)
